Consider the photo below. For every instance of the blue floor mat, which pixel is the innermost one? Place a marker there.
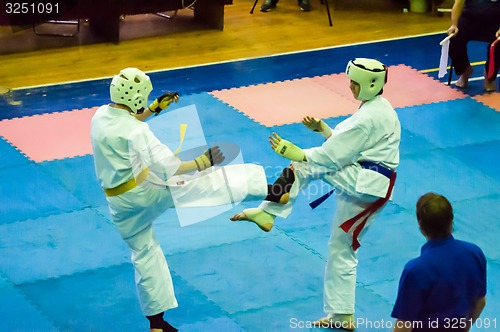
(414, 143)
(10, 156)
(196, 312)
(57, 245)
(98, 300)
(475, 221)
(77, 175)
(41, 194)
(251, 270)
(480, 157)
(213, 232)
(490, 312)
(438, 172)
(17, 313)
(452, 123)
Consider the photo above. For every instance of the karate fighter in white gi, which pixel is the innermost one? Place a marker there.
(358, 159)
(142, 178)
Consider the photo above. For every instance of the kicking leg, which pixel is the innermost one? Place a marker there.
(278, 192)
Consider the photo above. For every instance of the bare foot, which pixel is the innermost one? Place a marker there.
(463, 80)
(489, 86)
(239, 216)
(261, 218)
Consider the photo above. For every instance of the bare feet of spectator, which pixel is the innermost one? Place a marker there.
(489, 86)
(463, 81)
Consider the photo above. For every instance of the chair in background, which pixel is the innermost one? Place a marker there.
(58, 34)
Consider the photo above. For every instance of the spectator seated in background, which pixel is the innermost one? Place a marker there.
(477, 20)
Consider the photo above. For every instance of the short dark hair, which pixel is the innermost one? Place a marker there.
(435, 214)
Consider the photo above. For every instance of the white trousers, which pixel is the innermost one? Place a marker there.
(133, 214)
(340, 270)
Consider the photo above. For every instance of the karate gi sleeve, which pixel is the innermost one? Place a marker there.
(147, 151)
(339, 150)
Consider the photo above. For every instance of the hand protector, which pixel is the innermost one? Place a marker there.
(317, 125)
(162, 102)
(287, 149)
(210, 157)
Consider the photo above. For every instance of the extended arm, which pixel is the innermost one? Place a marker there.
(209, 158)
(286, 149)
(158, 105)
(289, 150)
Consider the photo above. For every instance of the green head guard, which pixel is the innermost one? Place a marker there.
(370, 74)
(131, 88)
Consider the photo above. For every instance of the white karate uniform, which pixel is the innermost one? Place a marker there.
(371, 134)
(122, 147)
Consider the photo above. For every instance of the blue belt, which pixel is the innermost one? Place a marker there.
(365, 164)
(377, 168)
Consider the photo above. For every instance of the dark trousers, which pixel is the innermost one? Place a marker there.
(477, 30)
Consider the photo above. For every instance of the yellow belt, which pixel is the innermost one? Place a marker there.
(129, 185)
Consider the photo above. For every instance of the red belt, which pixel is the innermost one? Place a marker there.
(365, 214)
(491, 63)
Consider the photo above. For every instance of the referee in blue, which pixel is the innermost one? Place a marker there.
(445, 287)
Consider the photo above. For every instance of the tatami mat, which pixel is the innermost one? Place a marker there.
(490, 99)
(14, 305)
(50, 136)
(286, 102)
(454, 123)
(31, 194)
(218, 272)
(65, 268)
(438, 172)
(10, 156)
(85, 187)
(328, 96)
(60, 244)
